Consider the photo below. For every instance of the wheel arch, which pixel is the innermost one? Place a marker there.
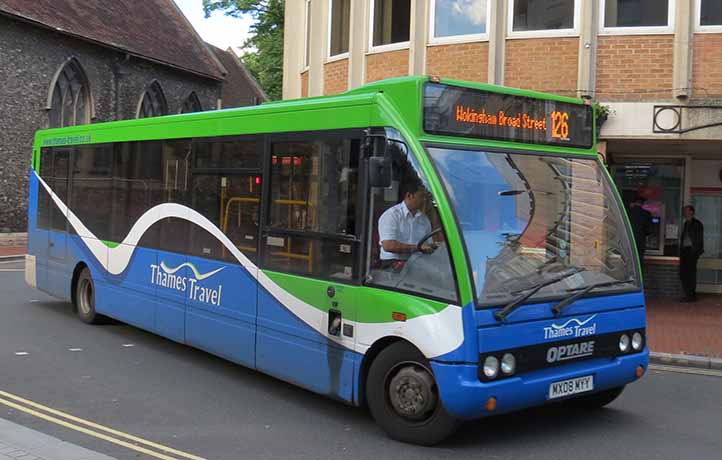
(74, 281)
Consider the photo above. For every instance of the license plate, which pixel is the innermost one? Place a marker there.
(571, 386)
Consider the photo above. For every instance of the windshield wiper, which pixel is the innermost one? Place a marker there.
(514, 304)
(561, 306)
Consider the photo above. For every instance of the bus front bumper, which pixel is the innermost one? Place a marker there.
(466, 397)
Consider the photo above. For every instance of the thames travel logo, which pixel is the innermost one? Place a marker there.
(167, 277)
(572, 328)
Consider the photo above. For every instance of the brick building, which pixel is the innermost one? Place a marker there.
(653, 63)
(65, 62)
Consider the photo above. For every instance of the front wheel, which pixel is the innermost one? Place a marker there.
(596, 400)
(85, 298)
(404, 399)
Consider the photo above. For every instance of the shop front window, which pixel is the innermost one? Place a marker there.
(391, 22)
(660, 182)
(536, 15)
(636, 13)
(710, 13)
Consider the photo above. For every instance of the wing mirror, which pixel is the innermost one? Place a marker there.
(379, 161)
(380, 171)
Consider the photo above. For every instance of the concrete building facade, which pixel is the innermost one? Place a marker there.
(653, 64)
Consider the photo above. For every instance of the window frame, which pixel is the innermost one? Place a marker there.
(639, 30)
(84, 92)
(306, 37)
(266, 230)
(340, 56)
(454, 39)
(390, 46)
(155, 93)
(552, 33)
(698, 27)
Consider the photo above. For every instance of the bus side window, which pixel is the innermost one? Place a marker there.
(225, 187)
(92, 183)
(175, 158)
(311, 227)
(405, 214)
(136, 188)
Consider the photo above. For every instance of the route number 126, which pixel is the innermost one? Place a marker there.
(560, 125)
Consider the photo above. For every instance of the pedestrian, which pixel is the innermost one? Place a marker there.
(691, 246)
(641, 221)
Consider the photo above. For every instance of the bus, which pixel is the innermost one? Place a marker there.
(435, 250)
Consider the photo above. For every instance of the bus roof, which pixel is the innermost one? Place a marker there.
(390, 102)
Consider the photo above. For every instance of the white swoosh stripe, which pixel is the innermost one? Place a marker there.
(434, 334)
(199, 276)
(574, 320)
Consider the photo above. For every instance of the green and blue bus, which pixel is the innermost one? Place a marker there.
(253, 234)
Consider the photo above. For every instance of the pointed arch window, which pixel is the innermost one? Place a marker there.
(192, 104)
(153, 103)
(69, 102)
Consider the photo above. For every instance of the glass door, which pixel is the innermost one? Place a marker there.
(708, 209)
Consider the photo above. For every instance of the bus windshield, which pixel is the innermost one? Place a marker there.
(530, 218)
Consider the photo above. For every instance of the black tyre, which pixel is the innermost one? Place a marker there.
(596, 400)
(85, 298)
(404, 399)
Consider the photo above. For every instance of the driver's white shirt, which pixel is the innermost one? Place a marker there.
(398, 224)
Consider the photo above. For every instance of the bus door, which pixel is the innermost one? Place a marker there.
(310, 263)
(222, 290)
(57, 276)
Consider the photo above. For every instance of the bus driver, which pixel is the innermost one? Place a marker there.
(402, 226)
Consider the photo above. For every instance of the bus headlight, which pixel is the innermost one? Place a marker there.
(624, 343)
(508, 364)
(491, 367)
(637, 341)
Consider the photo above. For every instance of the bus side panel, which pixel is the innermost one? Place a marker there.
(171, 292)
(291, 350)
(59, 272)
(221, 310)
(37, 238)
(130, 296)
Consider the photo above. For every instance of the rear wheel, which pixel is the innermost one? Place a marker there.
(404, 399)
(85, 298)
(596, 400)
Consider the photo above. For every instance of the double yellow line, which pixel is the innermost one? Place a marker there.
(93, 429)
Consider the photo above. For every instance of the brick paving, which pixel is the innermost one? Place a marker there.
(7, 251)
(685, 328)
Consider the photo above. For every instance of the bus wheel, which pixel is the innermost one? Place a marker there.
(596, 400)
(85, 298)
(404, 399)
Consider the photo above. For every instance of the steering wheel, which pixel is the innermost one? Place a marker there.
(426, 237)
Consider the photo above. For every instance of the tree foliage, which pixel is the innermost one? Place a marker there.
(263, 50)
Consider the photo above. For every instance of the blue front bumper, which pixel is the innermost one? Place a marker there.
(465, 396)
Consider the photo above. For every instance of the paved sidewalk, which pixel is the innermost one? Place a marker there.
(20, 443)
(686, 328)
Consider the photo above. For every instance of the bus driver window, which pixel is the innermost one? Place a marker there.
(407, 249)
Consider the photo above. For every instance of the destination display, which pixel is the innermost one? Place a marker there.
(455, 111)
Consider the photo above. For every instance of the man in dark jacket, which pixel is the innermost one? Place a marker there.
(691, 246)
(641, 221)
